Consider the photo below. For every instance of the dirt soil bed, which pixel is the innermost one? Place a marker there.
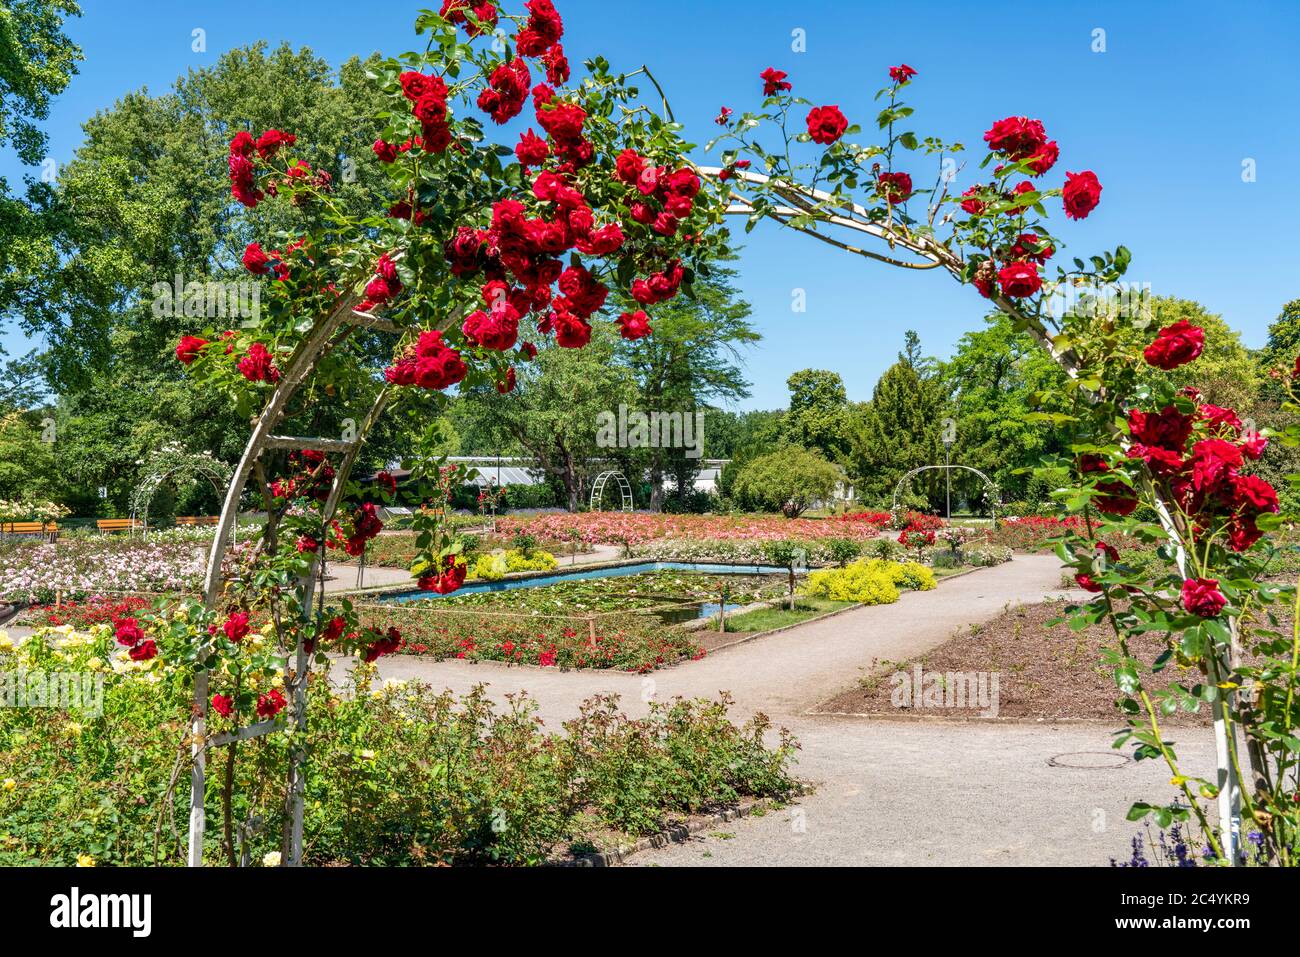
(1043, 673)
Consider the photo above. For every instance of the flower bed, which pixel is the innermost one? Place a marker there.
(82, 566)
(635, 528)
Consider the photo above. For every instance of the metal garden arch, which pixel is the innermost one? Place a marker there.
(168, 461)
(989, 485)
(598, 489)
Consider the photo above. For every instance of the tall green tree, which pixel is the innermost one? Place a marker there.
(817, 416)
(899, 430)
(694, 357)
(145, 199)
(37, 61)
(993, 382)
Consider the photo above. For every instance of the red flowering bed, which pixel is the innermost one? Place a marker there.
(632, 528)
(97, 610)
(625, 642)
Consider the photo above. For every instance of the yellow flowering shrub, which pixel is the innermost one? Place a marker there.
(538, 561)
(869, 582)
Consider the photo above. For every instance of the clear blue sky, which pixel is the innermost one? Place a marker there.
(1184, 92)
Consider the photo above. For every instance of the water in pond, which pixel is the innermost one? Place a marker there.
(618, 571)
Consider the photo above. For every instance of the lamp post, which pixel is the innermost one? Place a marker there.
(949, 437)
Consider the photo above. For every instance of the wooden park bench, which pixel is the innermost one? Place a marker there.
(106, 525)
(49, 530)
(197, 519)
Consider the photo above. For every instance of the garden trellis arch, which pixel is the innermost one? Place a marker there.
(624, 487)
(322, 338)
(989, 485)
(168, 462)
(804, 209)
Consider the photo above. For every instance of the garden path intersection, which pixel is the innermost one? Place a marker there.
(880, 784)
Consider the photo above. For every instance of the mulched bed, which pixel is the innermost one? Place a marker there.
(1045, 674)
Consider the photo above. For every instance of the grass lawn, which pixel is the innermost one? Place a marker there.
(766, 619)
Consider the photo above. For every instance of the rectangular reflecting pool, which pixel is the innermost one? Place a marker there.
(578, 574)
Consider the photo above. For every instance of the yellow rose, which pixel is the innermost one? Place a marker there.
(85, 860)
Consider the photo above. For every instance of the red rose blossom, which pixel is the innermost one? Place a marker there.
(774, 81)
(1201, 596)
(826, 124)
(901, 73)
(189, 349)
(1175, 345)
(1019, 279)
(1081, 194)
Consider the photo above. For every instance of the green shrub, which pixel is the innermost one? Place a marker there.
(843, 550)
(399, 775)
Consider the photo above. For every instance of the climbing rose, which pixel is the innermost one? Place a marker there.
(127, 632)
(453, 11)
(531, 149)
(270, 704)
(723, 116)
(1019, 279)
(223, 705)
(1175, 345)
(1201, 596)
(144, 651)
(543, 29)
(385, 152)
(256, 366)
(507, 91)
(449, 577)
(271, 141)
(236, 626)
(774, 81)
(1214, 465)
(255, 260)
(1044, 158)
(972, 206)
(1018, 137)
(901, 73)
(507, 385)
(826, 124)
(634, 325)
(1081, 194)
(1167, 429)
(557, 65)
(1086, 582)
(189, 348)
(894, 187)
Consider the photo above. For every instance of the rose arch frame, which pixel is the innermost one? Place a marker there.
(803, 208)
(168, 461)
(327, 334)
(598, 489)
(989, 485)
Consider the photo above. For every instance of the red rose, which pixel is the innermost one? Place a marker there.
(223, 705)
(1168, 428)
(1045, 158)
(634, 325)
(724, 115)
(271, 141)
(1086, 582)
(557, 66)
(255, 260)
(774, 81)
(972, 206)
(256, 366)
(1020, 279)
(1214, 465)
(1201, 596)
(1253, 493)
(1029, 246)
(1159, 460)
(901, 73)
(189, 349)
(1081, 194)
(570, 331)
(826, 124)
(894, 187)
(1110, 552)
(127, 632)
(543, 29)
(144, 651)
(1018, 137)
(236, 626)
(1175, 345)
(531, 149)
(507, 385)
(385, 152)
(270, 704)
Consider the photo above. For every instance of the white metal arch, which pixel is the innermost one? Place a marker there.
(989, 485)
(598, 489)
(217, 473)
